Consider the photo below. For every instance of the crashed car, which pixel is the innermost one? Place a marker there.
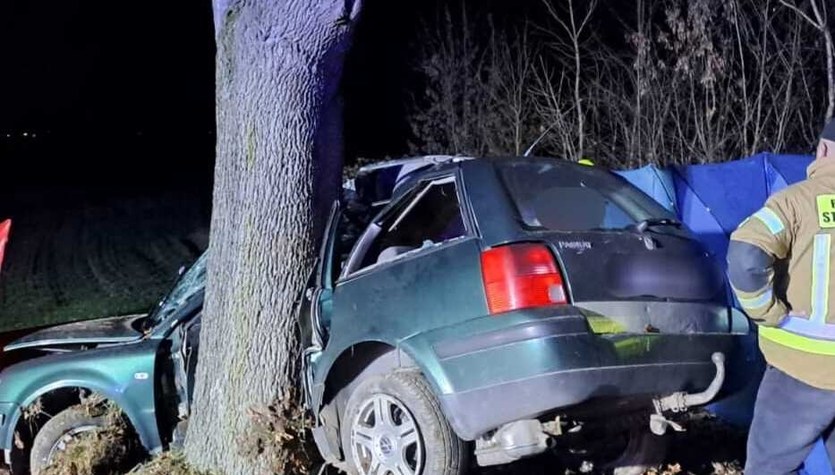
(498, 308)
(459, 307)
(144, 364)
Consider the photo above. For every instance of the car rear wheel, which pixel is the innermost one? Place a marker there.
(393, 424)
(60, 431)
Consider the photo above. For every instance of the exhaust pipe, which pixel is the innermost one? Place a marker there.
(708, 394)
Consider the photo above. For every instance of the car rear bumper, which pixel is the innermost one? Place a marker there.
(537, 368)
(472, 413)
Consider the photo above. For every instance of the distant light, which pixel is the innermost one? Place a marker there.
(25, 134)
(34, 135)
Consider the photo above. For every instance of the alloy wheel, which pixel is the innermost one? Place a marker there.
(71, 435)
(385, 439)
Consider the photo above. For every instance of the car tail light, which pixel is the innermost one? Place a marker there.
(521, 276)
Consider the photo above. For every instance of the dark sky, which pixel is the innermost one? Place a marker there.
(121, 94)
(117, 93)
(85, 63)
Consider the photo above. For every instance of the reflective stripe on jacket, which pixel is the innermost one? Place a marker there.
(789, 295)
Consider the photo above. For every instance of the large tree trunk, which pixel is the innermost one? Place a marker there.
(279, 65)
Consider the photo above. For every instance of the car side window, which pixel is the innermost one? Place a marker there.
(433, 217)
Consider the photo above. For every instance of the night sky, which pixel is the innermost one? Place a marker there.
(120, 96)
(115, 94)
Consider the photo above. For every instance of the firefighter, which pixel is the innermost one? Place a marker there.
(780, 263)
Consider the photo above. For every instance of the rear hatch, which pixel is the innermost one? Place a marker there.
(625, 259)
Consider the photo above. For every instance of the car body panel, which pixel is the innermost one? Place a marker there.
(494, 216)
(373, 317)
(123, 374)
(106, 330)
(484, 368)
(620, 265)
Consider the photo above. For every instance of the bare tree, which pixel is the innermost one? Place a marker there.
(819, 20)
(508, 82)
(574, 22)
(556, 111)
(477, 75)
(713, 80)
(277, 73)
(695, 81)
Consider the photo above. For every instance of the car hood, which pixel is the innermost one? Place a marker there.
(110, 330)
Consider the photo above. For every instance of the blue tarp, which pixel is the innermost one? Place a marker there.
(654, 181)
(712, 200)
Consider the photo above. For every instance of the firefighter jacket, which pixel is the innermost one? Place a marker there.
(780, 263)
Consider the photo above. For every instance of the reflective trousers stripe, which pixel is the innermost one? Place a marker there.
(820, 279)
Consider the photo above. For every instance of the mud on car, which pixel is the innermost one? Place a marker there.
(489, 310)
(144, 364)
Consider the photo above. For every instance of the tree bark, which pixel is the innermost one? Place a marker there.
(278, 70)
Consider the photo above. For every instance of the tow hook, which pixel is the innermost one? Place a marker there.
(681, 401)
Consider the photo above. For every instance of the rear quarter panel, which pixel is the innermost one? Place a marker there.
(431, 289)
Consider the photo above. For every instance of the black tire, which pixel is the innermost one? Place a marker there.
(443, 453)
(68, 422)
(644, 450)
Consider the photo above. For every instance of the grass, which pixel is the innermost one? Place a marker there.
(110, 450)
(93, 260)
(114, 449)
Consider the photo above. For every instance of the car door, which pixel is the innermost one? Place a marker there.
(190, 353)
(314, 312)
(416, 268)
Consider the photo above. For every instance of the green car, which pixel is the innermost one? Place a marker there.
(461, 311)
(499, 308)
(144, 364)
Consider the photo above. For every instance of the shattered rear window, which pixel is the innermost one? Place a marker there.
(550, 195)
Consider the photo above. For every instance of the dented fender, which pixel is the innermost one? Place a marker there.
(123, 374)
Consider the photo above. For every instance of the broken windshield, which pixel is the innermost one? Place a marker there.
(189, 286)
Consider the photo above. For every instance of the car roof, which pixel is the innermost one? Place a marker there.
(378, 183)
